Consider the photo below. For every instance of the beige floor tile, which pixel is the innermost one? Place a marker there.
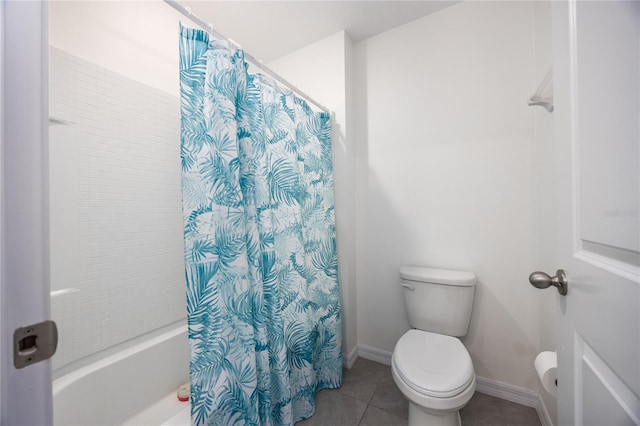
(370, 397)
(360, 381)
(334, 409)
(388, 397)
(485, 410)
(377, 417)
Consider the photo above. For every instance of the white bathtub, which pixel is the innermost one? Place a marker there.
(134, 386)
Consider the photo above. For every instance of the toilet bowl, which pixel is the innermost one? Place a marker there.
(436, 375)
(430, 365)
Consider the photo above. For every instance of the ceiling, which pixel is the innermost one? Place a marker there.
(271, 29)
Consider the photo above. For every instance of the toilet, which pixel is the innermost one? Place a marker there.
(430, 365)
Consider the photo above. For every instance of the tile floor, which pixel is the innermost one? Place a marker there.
(369, 397)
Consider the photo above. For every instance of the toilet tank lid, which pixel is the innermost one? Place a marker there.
(438, 276)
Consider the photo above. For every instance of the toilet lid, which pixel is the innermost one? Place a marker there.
(433, 364)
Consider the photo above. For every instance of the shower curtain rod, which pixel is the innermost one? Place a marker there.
(186, 11)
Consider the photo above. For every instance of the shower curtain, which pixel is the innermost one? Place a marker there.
(260, 251)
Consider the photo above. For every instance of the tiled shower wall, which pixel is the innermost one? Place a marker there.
(116, 220)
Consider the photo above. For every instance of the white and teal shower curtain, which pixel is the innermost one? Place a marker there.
(260, 249)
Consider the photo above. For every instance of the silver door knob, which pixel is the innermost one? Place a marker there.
(542, 280)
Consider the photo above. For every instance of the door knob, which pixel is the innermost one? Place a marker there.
(542, 280)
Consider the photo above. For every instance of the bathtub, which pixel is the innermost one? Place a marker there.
(134, 386)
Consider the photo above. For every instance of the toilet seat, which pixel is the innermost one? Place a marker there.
(433, 365)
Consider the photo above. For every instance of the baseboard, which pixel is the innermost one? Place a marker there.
(541, 408)
(349, 359)
(506, 391)
(373, 354)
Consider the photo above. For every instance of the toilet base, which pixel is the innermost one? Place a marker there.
(419, 417)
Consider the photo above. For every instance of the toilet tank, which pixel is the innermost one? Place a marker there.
(438, 300)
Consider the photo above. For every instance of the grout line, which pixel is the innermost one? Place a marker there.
(363, 414)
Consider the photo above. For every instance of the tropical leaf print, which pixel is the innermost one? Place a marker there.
(325, 258)
(284, 182)
(260, 255)
(222, 179)
(298, 339)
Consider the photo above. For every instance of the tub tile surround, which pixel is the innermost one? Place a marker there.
(369, 397)
(116, 212)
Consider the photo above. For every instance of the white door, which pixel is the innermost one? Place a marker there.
(597, 137)
(25, 393)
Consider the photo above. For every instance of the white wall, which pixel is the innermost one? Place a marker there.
(545, 185)
(115, 208)
(3, 355)
(323, 71)
(545, 193)
(138, 39)
(445, 175)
